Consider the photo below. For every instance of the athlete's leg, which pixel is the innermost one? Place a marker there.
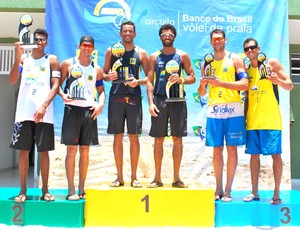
(218, 163)
(177, 156)
(134, 154)
(118, 153)
(23, 169)
(277, 171)
(44, 165)
(255, 168)
(158, 156)
(70, 167)
(83, 166)
(231, 167)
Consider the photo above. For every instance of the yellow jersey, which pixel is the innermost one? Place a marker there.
(225, 71)
(263, 103)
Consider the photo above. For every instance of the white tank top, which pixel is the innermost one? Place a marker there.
(34, 89)
(85, 84)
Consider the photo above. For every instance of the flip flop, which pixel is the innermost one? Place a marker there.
(20, 198)
(226, 199)
(47, 197)
(218, 197)
(250, 198)
(72, 197)
(136, 184)
(116, 183)
(179, 184)
(155, 184)
(276, 201)
(81, 196)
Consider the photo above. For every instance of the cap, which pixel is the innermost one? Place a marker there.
(87, 39)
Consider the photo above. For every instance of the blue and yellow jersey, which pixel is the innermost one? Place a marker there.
(161, 76)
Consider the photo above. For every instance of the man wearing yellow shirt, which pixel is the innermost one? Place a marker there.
(263, 116)
(225, 117)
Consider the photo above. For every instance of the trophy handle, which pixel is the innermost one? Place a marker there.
(116, 65)
(168, 86)
(22, 32)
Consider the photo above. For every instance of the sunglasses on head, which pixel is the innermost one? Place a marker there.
(39, 39)
(250, 47)
(87, 46)
(219, 39)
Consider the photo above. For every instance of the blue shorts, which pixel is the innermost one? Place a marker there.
(266, 142)
(225, 121)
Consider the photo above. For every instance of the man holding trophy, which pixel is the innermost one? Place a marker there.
(39, 73)
(122, 67)
(223, 76)
(82, 108)
(166, 71)
(264, 123)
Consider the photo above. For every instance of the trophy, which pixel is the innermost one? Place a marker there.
(174, 91)
(118, 51)
(74, 87)
(25, 22)
(263, 67)
(209, 72)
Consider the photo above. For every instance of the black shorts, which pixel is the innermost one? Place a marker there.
(78, 127)
(123, 107)
(175, 111)
(26, 132)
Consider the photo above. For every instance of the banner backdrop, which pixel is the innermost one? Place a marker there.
(67, 21)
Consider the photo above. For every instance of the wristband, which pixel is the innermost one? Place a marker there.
(242, 75)
(99, 83)
(55, 74)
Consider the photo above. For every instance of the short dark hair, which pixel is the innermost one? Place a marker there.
(167, 27)
(249, 40)
(217, 31)
(127, 23)
(41, 31)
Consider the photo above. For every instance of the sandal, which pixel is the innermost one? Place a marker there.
(47, 197)
(218, 197)
(276, 201)
(81, 196)
(155, 184)
(72, 197)
(116, 183)
(250, 198)
(136, 184)
(226, 198)
(20, 198)
(179, 184)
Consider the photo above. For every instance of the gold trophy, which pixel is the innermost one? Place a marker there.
(24, 37)
(74, 87)
(263, 66)
(209, 72)
(118, 51)
(174, 90)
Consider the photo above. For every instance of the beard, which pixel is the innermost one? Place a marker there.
(167, 44)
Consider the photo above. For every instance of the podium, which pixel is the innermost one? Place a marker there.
(163, 206)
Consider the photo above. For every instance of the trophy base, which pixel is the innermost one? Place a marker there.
(28, 46)
(175, 99)
(209, 77)
(78, 98)
(121, 81)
